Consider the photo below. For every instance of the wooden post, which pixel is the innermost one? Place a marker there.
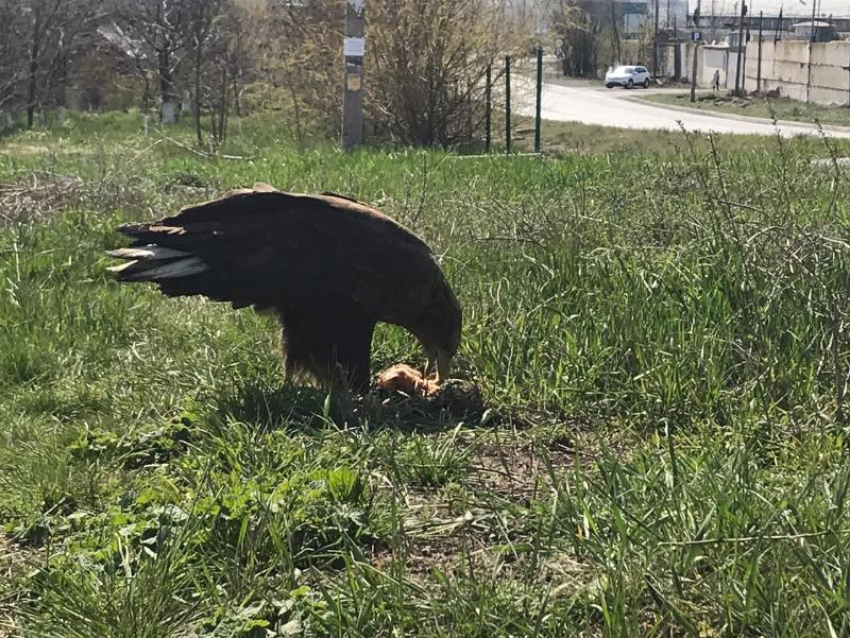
(488, 108)
(507, 104)
(740, 49)
(758, 70)
(354, 49)
(694, 73)
(539, 99)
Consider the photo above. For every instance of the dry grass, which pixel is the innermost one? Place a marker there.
(25, 149)
(38, 200)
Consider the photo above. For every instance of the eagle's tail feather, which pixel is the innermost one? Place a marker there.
(178, 273)
(156, 263)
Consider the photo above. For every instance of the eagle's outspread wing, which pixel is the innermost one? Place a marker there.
(329, 266)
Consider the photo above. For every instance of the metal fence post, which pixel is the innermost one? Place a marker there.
(488, 108)
(694, 72)
(539, 99)
(758, 72)
(507, 104)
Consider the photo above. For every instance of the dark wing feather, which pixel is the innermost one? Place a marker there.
(275, 249)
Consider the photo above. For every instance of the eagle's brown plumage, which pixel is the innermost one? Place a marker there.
(329, 267)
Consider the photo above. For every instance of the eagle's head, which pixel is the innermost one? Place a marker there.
(438, 327)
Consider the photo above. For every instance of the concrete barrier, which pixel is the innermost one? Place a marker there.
(801, 70)
(796, 68)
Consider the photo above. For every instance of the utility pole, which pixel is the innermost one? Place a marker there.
(694, 73)
(814, 18)
(758, 72)
(695, 36)
(740, 49)
(712, 20)
(354, 49)
(655, 45)
(811, 43)
(677, 51)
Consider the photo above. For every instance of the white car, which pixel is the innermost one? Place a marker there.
(628, 77)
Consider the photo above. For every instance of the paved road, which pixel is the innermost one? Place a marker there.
(616, 107)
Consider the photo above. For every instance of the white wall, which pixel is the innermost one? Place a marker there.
(784, 66)
(711, 60)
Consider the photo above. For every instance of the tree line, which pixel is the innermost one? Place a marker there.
(209, 59)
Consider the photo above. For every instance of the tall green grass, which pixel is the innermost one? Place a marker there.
(659, 334)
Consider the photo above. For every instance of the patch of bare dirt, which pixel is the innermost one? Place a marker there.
(469, 551)
(447, 552)
(515, 460)
(454, 533)
(516, 471)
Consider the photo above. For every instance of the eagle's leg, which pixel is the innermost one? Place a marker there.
(430, 363)
(351, 358)
(335, 351)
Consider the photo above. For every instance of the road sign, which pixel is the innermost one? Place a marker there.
(696, 36)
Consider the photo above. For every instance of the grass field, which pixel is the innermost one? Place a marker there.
(658, 330)
(756, 106)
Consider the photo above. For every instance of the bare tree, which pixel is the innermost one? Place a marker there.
(50, 32)
(237, 58)
(295, 48)
(164, 27)
(428, 59)
(203, 18)
(616, 48)
(230, 59)
(578, 26)
(129, 53)
(11, 53)
(424, 82)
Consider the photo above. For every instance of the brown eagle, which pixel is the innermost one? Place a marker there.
(328, 267)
